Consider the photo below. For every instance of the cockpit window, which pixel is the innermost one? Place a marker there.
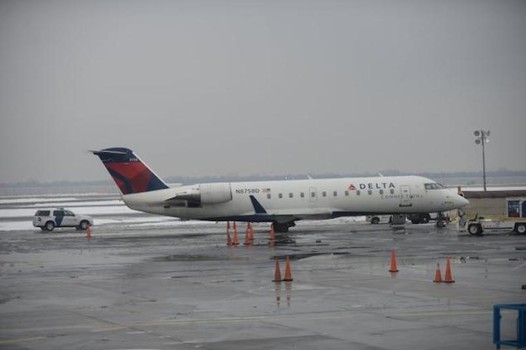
(434, 186)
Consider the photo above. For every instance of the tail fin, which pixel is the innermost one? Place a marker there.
(129, 173)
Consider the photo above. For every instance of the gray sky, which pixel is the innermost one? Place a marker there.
(273, 87)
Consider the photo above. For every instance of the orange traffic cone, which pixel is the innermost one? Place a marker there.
(251, 233)
(228, 239)
(288, 273)
(88, 232)
(438, 274)
(393, 268)
(247, 235)
(277, 272)
(235, 241)
(448, 278)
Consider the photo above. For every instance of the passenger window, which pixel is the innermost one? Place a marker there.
(370, 192)
(347, 193)
(335, 193)
(391, 191)
(291, 195)
(324, 194)
(381, 191)
(268, 196)
(280, 195)
(302, 195)
(313, 194)
(358, 192)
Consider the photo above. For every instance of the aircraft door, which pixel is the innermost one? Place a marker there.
(405, 196)
(313, 194)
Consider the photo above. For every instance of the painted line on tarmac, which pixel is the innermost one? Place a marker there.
(273, 318)
(20, 340)
(180, 322)
(442, 313)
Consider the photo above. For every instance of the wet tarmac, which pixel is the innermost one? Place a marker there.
(174, 285)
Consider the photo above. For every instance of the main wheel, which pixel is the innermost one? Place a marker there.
(49, 226)
(281, 228)
(375, 220)
(474, 229)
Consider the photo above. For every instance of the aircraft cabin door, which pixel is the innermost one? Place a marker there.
(405, 196)
(313, 194)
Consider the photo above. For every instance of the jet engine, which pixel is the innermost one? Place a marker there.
(214, 193)
(211, 193)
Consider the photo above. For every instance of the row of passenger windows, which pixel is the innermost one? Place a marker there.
(325, 194)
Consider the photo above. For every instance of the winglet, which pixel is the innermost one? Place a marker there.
(257, 206)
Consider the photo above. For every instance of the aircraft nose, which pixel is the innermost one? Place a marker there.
(461, 201)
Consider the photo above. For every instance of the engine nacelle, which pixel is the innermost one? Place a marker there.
(214, 193)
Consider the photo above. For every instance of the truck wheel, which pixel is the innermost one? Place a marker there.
(425, 219)
(474, 229)
(83, 225)
(375, 220)
(49, 226)
(520, 228)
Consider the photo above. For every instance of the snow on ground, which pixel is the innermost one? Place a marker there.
(15, 225)
(89, 210)
(34, 200)
(18, 225)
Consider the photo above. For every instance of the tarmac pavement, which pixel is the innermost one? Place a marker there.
(179, 286)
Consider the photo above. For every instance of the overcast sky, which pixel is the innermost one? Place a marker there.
(261, 87)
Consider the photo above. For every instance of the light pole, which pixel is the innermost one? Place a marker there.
(482, 138)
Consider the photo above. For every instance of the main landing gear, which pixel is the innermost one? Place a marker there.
(282, 227)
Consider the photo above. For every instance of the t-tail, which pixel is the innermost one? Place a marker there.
(128, 171)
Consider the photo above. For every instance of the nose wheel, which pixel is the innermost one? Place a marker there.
(442, 220)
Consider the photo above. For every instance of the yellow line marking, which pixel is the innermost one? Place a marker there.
(443, 313)
(182, 322)
(20, 340)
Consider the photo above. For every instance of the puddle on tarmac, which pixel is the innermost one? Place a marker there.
(191, 258)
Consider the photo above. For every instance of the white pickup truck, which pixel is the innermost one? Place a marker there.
(478, 225)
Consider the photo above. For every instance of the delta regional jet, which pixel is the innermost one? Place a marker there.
(278, 202)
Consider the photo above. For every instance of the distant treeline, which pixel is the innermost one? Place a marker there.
(256, 177)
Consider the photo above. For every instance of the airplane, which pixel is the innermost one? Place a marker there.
(281, 203)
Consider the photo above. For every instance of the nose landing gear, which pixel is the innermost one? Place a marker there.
(442, 220)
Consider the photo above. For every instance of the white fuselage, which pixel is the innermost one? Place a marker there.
(289, 200)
